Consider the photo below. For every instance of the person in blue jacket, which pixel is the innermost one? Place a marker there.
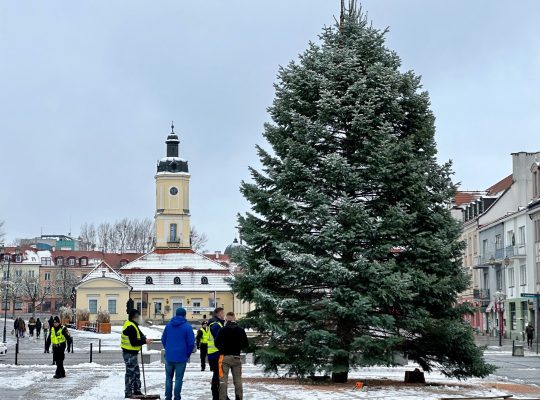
(178, 340)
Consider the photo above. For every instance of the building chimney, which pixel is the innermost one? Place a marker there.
(218, 253)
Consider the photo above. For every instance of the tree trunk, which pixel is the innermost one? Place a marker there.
(341, 368)
(340, 363)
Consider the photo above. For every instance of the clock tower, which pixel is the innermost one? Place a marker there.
(172, 198)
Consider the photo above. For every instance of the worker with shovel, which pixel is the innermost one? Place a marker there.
(131, 343)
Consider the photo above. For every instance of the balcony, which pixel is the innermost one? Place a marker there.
(518, 251)
(481, 294)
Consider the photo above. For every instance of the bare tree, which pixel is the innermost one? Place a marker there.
(104, 236)
(121, 236)
(64, 283)
(2, 232)
(14, 289)
(146, 229)
(123, 232)
(198, 240)
(88, 236)
(32, 289)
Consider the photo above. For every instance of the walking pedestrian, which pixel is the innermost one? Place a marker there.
(16, 326)
(22, 327)
(38, 328)
(31, 326)
(230, 341)
(178, 341)
(46, 334)
(131, 343)
(529, 330)
(202, 343)
(216, 323)
(59, 335)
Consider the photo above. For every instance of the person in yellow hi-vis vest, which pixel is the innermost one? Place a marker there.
(215, 324)
(203, 335)
(131, 342)
(59, 338)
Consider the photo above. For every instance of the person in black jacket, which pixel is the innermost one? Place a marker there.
(48, 337)
(202, 343)
(132, 340)
(38, 328)
(230, 340)
(59, 337)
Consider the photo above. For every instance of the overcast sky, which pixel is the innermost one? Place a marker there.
(88, 90)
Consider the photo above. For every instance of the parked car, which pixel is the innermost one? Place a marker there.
(3, 349)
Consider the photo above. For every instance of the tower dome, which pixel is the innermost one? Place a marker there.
(172, 163)
(231, 249)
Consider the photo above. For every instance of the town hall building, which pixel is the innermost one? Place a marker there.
(170, 276)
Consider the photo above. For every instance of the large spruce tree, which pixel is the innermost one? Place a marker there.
(352, 255)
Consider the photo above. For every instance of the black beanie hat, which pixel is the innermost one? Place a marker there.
(133, 313)
(56, 319)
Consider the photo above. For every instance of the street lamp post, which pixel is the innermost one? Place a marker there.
(500, 297)
(6, 290)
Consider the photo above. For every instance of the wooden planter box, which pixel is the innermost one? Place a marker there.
(81, 325)
(104, 327)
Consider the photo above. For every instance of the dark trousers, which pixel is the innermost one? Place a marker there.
(204, 353)
(529, 340)
(38, 332)
(58, 358)
(47, 343)
(214, 367)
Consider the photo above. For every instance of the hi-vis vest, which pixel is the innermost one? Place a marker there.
(124, 340)
(211, 345)
(205, 335)
(57, 335)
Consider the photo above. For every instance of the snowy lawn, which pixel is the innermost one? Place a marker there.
(96, 382)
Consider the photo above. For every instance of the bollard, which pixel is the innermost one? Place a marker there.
(17, 351)
(99, 346)
(90, 352)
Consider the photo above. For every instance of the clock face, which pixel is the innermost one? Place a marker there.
(174, 191)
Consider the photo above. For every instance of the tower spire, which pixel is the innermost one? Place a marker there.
(172, 126)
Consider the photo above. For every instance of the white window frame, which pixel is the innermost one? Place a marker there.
(71, 262)
(96, 299)
(199, 304)
(115, 304)
(523, 274)
(521, 236)
(47, 276)
(511, 277)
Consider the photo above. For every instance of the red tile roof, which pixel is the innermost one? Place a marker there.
(113, 259)
(465, 197)
(500, 186)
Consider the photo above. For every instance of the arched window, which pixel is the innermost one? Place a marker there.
(177, 281)
(204, 280)
(149, 280)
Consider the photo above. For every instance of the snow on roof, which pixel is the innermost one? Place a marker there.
(174, 260)
(177, 159)
(103, 270)
(189, 282)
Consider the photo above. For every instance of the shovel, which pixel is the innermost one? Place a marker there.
(145, 396)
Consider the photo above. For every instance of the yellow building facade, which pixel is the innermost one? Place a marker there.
(103, 289)
(172, 275)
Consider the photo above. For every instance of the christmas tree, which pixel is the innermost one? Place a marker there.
(352, 255)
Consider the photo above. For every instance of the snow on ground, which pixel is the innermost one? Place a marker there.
(96, 382)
